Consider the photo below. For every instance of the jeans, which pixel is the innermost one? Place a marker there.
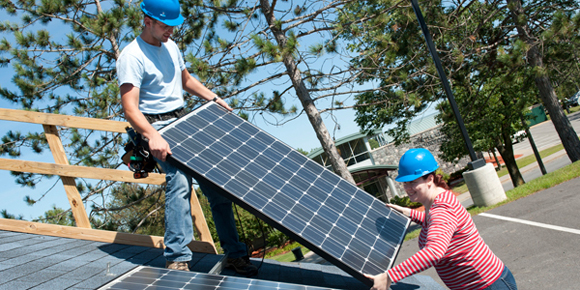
(505, 282)
(178, 221)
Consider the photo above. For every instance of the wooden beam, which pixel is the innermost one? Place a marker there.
(199, 221)
(78, 171)
(95, 235)
(63, 120)
(70, 186)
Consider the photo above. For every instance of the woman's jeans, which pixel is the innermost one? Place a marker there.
(505, 282)
(178, 221)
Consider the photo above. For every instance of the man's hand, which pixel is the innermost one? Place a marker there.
(223, 103)
(381, 281)
(159, 147)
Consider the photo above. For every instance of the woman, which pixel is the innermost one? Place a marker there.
(449, 240)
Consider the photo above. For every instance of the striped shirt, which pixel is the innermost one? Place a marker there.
(450, 242)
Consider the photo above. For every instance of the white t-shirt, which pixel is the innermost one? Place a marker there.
(156, 71)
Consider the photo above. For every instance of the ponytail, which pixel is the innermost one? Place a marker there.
(438, 180)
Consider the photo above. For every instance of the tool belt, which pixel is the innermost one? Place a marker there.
(152, 118)
(137, 156)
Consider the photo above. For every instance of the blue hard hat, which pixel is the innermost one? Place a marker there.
(415, 163)
(166, 11)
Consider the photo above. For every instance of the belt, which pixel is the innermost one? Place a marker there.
(152, 118)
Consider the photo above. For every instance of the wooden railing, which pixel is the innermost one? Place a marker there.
(68, 173)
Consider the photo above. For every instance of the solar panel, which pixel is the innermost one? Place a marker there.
(327, 214)
(163, 279)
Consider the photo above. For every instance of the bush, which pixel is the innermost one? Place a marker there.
(444, 175)
(405, 202)
(250, 228)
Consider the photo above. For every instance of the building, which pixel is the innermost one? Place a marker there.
(373, 159)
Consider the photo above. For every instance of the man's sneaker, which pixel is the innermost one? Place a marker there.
(242, 266)
(183, 266)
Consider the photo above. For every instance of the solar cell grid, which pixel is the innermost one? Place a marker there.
(164, 279)
(345, 225)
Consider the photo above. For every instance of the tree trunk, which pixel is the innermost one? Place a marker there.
(565, 130)
(311, 111)
(496, 160)
(507, 154)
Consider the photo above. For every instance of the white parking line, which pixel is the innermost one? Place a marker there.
(547, 226)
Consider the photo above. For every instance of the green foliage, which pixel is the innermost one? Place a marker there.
(58, 216)
(6, 215)
(479, 58)
(132, 209)
(404, 202)
(250, 228)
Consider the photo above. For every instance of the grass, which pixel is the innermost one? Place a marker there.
(573, 110)
(289, 256)
(543, 182)
(524, 161)
(285, 254)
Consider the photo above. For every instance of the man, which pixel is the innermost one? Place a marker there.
(152, 76)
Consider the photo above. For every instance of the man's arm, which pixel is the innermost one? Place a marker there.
(130, 101)
(196, 88)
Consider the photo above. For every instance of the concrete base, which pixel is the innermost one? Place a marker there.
(484, 186)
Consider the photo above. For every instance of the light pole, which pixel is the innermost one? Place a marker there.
(482, 181)
(475, 162)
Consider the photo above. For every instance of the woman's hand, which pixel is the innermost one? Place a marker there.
(404, 210)
(381, 281)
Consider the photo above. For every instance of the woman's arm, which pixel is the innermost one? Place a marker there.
(440, 231)
(416, 216)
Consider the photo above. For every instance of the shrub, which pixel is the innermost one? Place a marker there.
(405, 202)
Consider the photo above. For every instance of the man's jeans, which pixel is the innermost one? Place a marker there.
(178, 222)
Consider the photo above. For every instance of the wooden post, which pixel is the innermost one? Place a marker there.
(199, 222)
(73, 195)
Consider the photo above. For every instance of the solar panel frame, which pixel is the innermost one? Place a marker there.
(305, 189)
(143, 277)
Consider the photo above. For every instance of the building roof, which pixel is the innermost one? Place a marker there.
(419, 124)
(373, 168)
(29, 261)
(342, 140)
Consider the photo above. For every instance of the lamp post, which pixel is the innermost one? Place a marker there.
(475, 162)
(482, 181)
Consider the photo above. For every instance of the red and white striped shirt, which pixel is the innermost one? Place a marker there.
(450, 242)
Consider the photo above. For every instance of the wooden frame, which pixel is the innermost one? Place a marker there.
(68, 173)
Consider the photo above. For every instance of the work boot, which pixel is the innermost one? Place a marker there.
(242, 266)
(183, 266)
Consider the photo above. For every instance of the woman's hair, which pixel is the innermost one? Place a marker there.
(438, 180)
